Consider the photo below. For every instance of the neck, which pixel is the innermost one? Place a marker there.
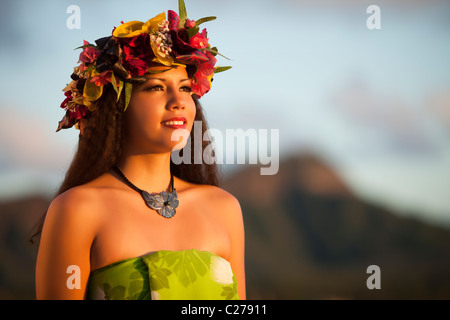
(150, 172)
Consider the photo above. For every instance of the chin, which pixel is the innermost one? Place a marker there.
(179, 139)
(178, 146)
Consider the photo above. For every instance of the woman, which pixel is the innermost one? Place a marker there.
(127, 222)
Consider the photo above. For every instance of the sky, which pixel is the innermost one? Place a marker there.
(374, 104)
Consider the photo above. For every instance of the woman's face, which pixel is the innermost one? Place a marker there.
(157, 108)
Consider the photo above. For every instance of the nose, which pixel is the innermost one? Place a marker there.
(176, 102)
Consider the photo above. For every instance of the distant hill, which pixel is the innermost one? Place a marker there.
(17, 255)
(307, 237)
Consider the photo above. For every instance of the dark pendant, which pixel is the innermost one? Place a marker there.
(165, 203)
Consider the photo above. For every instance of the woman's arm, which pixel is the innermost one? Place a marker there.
(235, 225)
(63, 263)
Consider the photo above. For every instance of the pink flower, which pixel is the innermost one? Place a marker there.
(103, 78)
(89, 54)
(199, 40)
(190, 23)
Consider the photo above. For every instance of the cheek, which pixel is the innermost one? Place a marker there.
(140, 107)
(140, 117)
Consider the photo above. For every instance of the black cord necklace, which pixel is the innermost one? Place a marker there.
(165, 203)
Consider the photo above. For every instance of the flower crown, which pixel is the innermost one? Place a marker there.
(125, 57)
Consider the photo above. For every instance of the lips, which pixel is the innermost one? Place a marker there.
(175, 123)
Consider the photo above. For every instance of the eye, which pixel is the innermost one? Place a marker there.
(186, 89)
(154, 88)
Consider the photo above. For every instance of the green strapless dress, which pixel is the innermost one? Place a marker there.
(165, 275)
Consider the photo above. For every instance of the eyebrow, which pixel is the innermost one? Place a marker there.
(164, 80)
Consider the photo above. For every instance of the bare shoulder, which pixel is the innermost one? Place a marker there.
(75, 196)
(86, 199)
(228, 208)
(224, 203)
(74, 199)
(79, 205)
(69, 230)
(223, 197)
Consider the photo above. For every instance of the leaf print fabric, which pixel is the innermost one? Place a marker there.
(221, 271)
(180, 275)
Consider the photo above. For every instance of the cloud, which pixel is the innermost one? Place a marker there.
(385, 122)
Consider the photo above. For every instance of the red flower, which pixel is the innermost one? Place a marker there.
(174, 20)
(207, 68)
(180, 40)
(68, 95)
(190, 23)
(74, 114)
(74, 111)
(201, 83)
(102, 78)
(78, 112)
(137, 54)
(179, 37)
(199, 40)
(195, 58)
(89, 54)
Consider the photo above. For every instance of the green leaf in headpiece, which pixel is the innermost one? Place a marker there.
(128, 90)
(182, 13)
(214, 52)
(114, 84)
(193, 31)
(86, 46)
(89, 69)
(221, 69)
(120, 89)
(202, 20)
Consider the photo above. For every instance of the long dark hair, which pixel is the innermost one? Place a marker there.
(100, 148)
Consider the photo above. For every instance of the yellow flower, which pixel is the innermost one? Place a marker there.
(81, 99)
(91, 91)
(135, 28)
(164, 59)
